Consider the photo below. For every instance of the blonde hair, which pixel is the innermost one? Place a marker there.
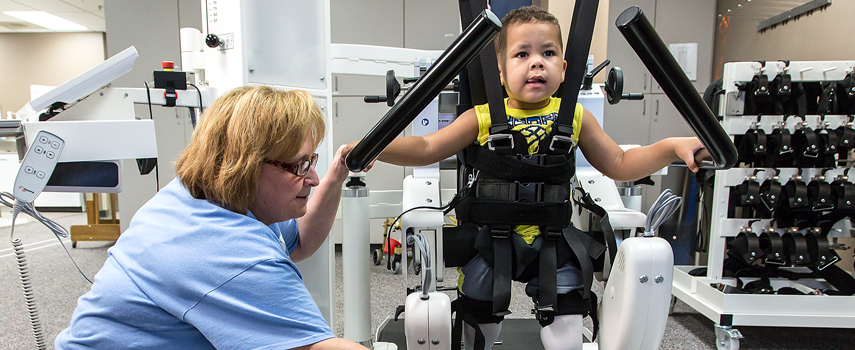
(526, 14)
(238, 131)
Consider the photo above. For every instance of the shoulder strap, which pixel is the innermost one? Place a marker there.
(576, 55)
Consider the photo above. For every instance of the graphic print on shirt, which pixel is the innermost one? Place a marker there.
(534, 129)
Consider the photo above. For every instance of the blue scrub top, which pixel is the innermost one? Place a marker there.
(190, 274)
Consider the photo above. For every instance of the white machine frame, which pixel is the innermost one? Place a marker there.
(728, 310)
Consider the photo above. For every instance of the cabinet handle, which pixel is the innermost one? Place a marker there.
(335, 85)
(335, 109)
(657, 108)
(643, 107)
(644, 78)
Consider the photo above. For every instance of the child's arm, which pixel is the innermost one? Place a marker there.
(429, 149)
(607, 157)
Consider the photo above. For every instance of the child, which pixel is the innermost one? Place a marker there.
(531, 67)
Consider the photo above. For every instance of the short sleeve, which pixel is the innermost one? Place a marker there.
(289, 233)
(265, 307)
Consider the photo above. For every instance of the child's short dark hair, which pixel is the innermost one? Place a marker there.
(526, 14)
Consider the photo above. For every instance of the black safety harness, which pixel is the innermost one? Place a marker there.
(514, 188)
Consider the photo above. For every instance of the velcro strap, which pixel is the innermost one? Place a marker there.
(797, 194)
(490, 211)
(572, 235)
(796, 248)
(821, 254)
(502, 269)
(547, 292)
(757, 139)
(844, 191)
(762, 85)
(829, 140)
(773, 248)
(784, 84)
(749, 192)
(747, 246)
(521, 192)
(770, 194)
(845, 138)
(811, 143)
(819, 194)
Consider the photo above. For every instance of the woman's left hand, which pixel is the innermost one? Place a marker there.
(338, 171)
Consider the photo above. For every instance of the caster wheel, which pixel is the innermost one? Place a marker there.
(396, 267)
(74, 244)
(377, 256)
(727, 343)
(727, 338)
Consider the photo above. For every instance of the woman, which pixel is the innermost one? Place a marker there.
(201, 265)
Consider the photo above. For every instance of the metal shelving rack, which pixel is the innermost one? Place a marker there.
(730, 310)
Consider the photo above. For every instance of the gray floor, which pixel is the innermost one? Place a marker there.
(58, 285)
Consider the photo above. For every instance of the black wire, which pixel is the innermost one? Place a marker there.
(151, 116)
(201, 109)
(447, 208)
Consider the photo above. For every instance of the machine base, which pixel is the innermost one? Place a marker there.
(516, 334)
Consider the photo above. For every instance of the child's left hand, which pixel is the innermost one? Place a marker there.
(691, 151)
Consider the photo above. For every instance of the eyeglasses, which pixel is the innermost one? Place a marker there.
(300, 169)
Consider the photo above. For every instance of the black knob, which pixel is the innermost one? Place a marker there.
(212, 40)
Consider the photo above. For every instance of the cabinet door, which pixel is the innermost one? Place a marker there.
(665, 121)
(352, 119)
(367, 22)
(635, 75)
(430, 25)
(628, 122)
(689, 21)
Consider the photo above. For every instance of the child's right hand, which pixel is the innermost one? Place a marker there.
(347, 148)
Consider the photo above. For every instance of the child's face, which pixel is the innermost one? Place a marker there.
(533, 66)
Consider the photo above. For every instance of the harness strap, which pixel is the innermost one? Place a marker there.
(821, 254)
(576, 55)
(457, 333)
(746, 246)
(773, 248)
(797, 249)
(749, 193)
(844, 191)
(547, 292)
(502, 268)
(514, 213)
(608, 233)
(846, 138)
(770, 194)
(797, 194)
(819, 194)
(512, 169)
(572, 235)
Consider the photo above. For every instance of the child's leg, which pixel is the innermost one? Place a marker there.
(491, 334)
(565, 333)
(476, 286)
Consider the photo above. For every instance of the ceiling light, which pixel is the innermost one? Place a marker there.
(47, 20)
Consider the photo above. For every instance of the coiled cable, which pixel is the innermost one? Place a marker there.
(665, 206)
(421, 241)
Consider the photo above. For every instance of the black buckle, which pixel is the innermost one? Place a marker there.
(562, 144)
(500, 141)
(531, 192)
(554, 233)
(500, 231)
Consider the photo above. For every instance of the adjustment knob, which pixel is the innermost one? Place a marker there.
(212, 40)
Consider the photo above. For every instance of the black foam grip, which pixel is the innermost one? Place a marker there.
(480, 32)
(647, 44)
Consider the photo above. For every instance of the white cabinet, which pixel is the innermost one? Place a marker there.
(676, 21)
